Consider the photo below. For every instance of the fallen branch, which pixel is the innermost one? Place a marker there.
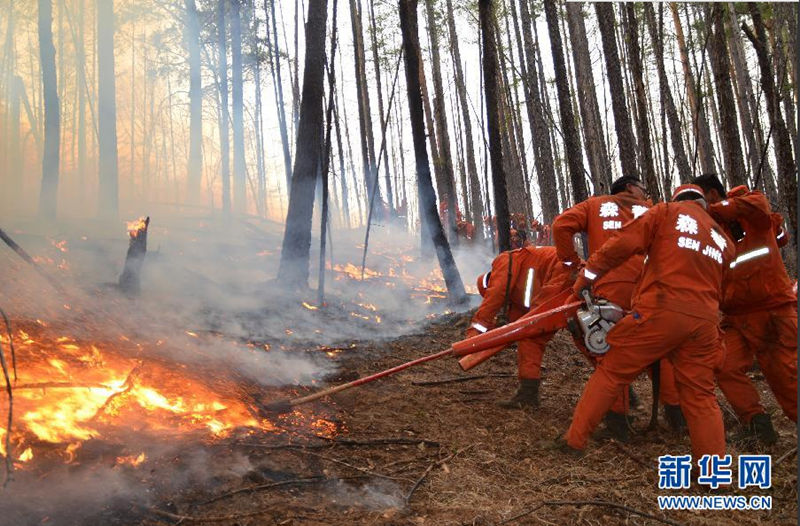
(261, 487)
(345, 464)
(463, 379)
(786, 455)
(630, 455)
(217, 518)
(347, 443)
(433, 465)
(590, 503)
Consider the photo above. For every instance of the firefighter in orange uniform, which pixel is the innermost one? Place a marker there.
(513, 285)
(600, 217)
(675, 315)
(759, 307)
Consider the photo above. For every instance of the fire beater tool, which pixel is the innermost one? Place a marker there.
(29, 260)
(520, 329)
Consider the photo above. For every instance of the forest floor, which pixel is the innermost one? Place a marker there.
(406, 451)
(428, 445)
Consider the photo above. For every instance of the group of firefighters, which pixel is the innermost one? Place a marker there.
(705, 292)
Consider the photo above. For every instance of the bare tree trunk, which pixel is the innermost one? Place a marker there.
(572, 141)
(676, 134)
(294, 264)
(542, 149)
(729, 130)
(224, 138)
(787, 169)
(492, 89)
(368, 154)
(622, 122)
(107, 112)
(442, 132)
(413, 60)
(80, 80)
(239, 168)
(377, 64)
(278, 86)
(705, 150)
(48, 197)
(599, 164)
(643, 131)
(195, 166)
(472, 169)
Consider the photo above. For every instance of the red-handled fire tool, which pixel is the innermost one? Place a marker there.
(474, 359)
(525, 327)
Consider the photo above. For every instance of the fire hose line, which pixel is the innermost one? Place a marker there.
(523, 328)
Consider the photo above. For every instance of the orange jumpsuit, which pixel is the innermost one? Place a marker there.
(600, 217)
(524, 272)
(760, 310)
(675, 315)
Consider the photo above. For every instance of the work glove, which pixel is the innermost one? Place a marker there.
(582, 283)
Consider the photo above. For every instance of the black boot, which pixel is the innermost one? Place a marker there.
(526, 396)
(633, 398)
(674, 417)
(616, 427)
(761, 427)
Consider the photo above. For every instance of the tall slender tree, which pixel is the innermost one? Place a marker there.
(476, 203)
(622, 122)
(192, 38)
(295, 252)
(572, 141)
(493, 93)
(787, 169)
(237, 90)
(643, 129)
(676, 134)
(413, 63)
(107, 112)
(48, 197)
(596, 150)
(720, 65)
(224, 137)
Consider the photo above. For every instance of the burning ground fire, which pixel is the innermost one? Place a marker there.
(68, 392)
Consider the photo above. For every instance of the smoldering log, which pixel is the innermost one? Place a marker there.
(130, 279)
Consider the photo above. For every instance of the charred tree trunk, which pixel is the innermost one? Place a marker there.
(107, 112)
(224, 138)
(48, 197)
(622, 122)
(596, 150)
(130, 279)
(239, 169)
(729, 129)
(542, 149)
(195, 166)
(413, 61)
(294, 264)
(643, 130)
(476, 204)
(572, 141)
(493, 92)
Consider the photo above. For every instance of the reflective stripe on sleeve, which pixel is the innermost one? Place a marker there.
(528, 288)
(747, 256)
(478, 327)
(486, 280)
(780, 236)
(589, 274)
